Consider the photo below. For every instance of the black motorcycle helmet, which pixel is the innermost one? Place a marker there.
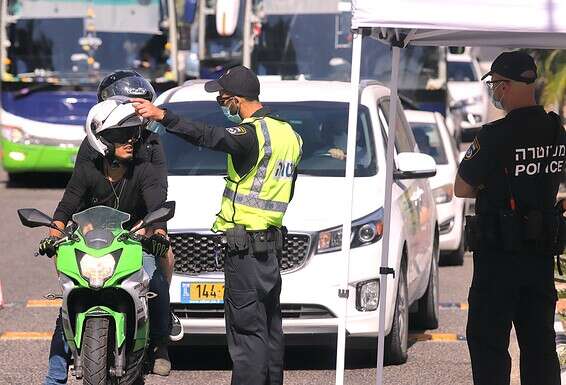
(125, 83)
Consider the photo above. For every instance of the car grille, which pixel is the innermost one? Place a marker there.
(187, 311)
(203, 253)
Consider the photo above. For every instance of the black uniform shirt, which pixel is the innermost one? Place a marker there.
(521, 156)
(140, 191)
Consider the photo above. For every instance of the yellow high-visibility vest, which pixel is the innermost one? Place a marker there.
(260, 198)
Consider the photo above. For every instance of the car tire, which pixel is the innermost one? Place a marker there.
(396, 342)
(426, 316)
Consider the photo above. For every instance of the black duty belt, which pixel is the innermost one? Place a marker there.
(239, 239)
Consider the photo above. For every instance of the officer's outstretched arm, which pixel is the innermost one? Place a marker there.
(462, 189)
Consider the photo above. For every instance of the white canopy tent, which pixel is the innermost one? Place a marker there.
(500, 23)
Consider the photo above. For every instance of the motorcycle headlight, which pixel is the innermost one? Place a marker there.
(97, 269)
(443, 194)
(365, 231)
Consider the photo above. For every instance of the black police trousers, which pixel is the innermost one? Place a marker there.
(513, 290)
(253, 318)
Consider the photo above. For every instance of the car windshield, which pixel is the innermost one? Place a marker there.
(322, 126)
(100, 219)
(461, 71)
(429, 141)
(84, 39)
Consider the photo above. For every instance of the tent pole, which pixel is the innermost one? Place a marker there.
(394, 100)
(348, 199)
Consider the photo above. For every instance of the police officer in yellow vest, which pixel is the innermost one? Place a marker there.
(263, 153)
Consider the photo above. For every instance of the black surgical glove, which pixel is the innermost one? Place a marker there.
(156, 245)
(46, 246)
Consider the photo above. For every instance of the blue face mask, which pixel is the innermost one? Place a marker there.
(233, 118)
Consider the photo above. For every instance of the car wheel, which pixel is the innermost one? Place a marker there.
(397, 341)
(427, 313)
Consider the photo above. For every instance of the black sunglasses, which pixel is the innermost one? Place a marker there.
(223, 99)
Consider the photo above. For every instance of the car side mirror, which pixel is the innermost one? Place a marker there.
(414, 165)
(162, 214)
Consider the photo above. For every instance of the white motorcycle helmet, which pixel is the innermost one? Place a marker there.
(112, 121)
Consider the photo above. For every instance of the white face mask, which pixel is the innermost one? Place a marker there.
(497, 103)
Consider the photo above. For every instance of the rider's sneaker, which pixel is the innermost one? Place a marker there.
(177, 331)
(161, 363)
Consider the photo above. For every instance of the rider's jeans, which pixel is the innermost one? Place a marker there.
(59, 353)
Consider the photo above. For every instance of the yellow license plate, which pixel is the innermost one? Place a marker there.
(206, 292)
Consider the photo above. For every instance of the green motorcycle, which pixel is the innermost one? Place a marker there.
(105, 292)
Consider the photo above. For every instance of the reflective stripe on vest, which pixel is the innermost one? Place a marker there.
(259, 177)
(256, 203)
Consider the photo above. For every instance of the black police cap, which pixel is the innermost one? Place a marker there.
(238, 81)
(515, 65)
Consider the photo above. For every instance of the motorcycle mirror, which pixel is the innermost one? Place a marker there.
(162, 214)
(35, 218)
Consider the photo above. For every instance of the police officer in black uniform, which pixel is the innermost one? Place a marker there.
(513, 169)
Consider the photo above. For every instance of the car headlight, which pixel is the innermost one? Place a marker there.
(367, 295)
(446, 226)
(97, 269)
(443, 194)
(365, 231)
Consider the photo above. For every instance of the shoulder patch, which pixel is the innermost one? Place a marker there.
(236, 130)
(473, 149)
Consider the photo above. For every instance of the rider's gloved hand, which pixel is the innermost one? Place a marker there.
(156, 245)
(46, 246)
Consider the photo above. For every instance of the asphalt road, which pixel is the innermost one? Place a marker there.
(24, 278)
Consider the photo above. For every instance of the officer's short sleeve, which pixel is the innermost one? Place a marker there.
(476, 166)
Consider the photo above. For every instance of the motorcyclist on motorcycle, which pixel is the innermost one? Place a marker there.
(120, 180)
(131, 84)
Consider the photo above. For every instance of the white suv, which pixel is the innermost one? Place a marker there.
(312, 260)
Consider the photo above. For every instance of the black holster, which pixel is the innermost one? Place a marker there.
(269, 241)
(238, 239)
